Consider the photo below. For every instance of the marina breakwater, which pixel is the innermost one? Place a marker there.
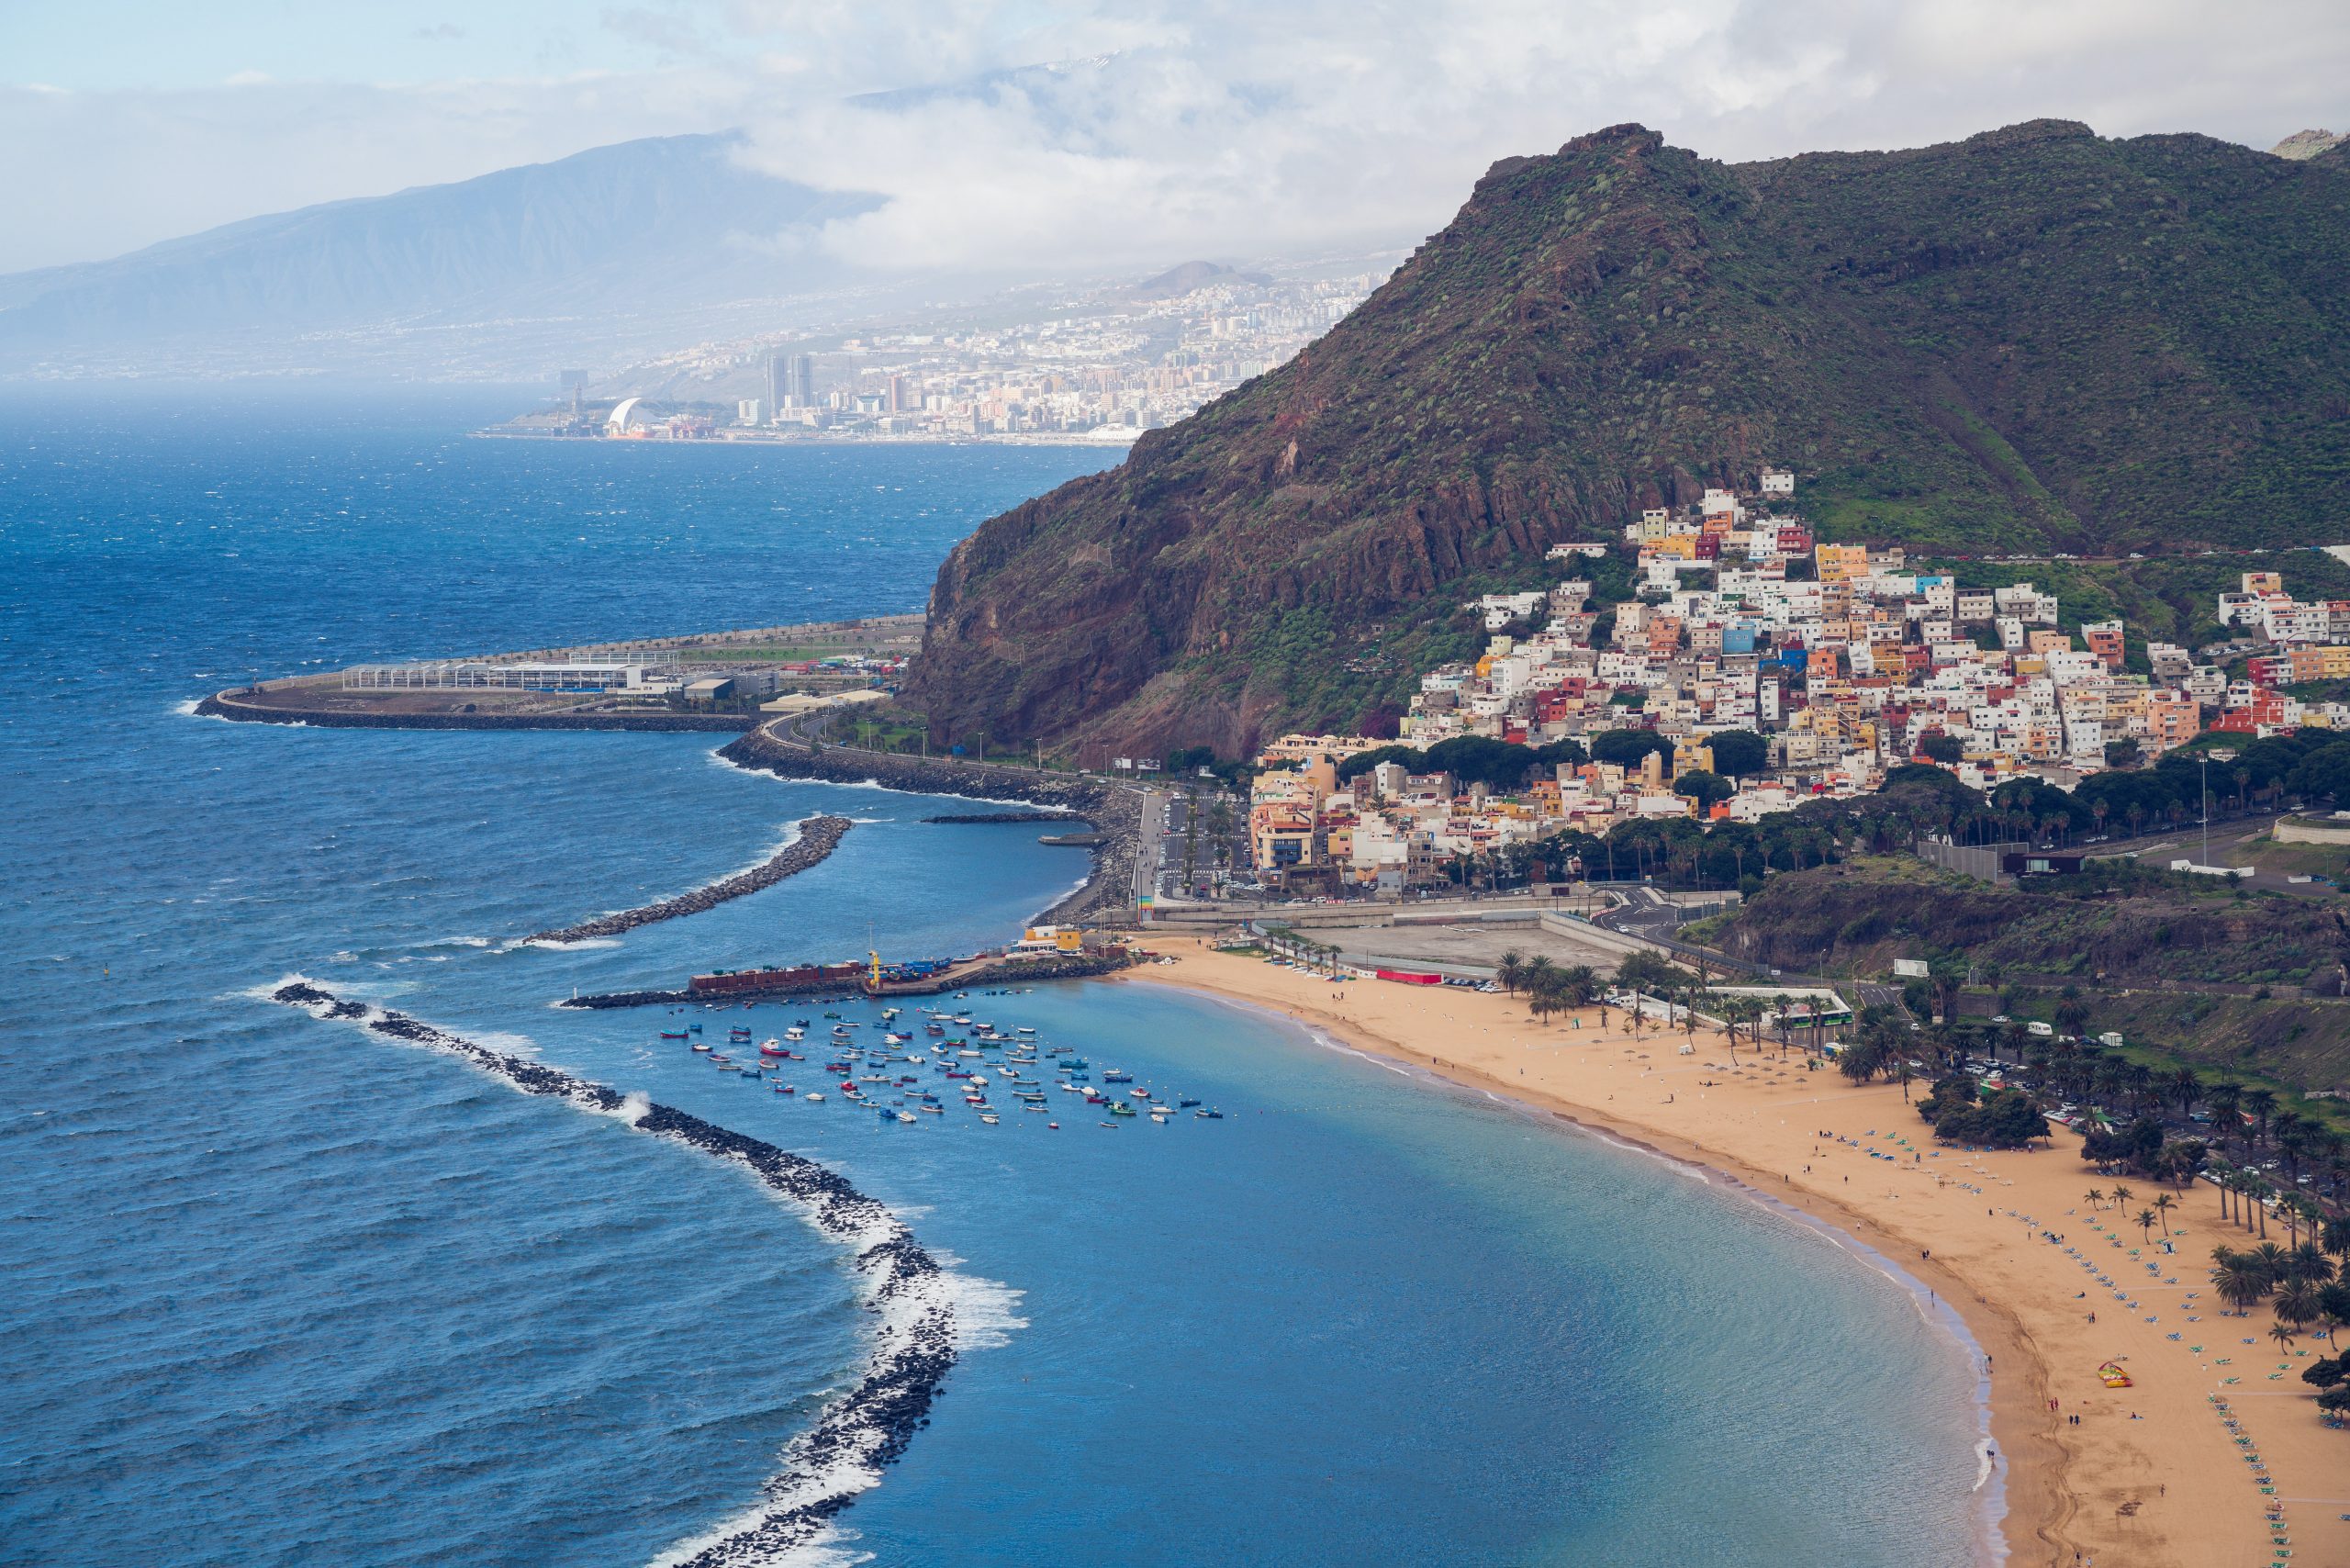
(914, 1341)
(1011, 971)
(258, 708)
(1115, 810)
(817, 838)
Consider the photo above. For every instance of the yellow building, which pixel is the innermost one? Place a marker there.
(1841, 562)
(1692, 752)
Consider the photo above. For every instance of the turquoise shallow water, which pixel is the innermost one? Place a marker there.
(283, 1294)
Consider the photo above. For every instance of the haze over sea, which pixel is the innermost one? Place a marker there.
(281, 1292)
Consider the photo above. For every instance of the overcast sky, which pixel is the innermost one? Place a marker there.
(1223, 128)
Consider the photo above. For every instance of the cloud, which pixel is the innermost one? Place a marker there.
(1228, 129)
(1037, 135)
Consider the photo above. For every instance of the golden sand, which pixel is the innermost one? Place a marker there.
(2150, 1476)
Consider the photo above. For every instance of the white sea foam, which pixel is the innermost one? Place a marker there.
(924, 1314)
(186, 707)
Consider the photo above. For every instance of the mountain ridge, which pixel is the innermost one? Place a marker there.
(641, 231)
(2033, 338)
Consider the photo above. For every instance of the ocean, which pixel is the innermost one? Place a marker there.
(282, 1291)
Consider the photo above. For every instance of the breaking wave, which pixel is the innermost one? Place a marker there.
(924, 1315)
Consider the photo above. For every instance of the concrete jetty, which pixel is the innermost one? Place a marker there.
(818, 836)
(1115, 810)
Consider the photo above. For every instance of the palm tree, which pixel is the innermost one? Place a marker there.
(2237, 1281)
(2164, 1203)
(1511, 970)
(2146, 1225)
(1536, 973)
(2283, 1335)
(2261, 1103)
(2096, 1196)
(2226, 1101)
(1902, 1074)
(2186, 1088)
(2121, 1195)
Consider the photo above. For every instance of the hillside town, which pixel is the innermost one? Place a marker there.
(1753, 668)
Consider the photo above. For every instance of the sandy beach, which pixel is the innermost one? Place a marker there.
(2144, 1476)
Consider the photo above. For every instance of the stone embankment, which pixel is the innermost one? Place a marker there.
(1011, 971)
(818, 836)
(1007, 817)
(267, 709)
(1115, 809)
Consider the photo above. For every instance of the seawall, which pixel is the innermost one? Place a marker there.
(1115, 812)
(1011, 971)
(818, 836)
(245, 708)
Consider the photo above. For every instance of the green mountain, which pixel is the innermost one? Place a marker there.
(2035, 340)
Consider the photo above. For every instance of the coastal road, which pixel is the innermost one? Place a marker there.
(1149, 845)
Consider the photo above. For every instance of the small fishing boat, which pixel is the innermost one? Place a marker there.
(988, 1117)
(1112, 1126)
(739, 1036)
(1185, 1105)
(783, 1089)
(1025, 1030)
(796, 1033)
(1111, 1075)
(907, 1117)
(1120, 1108)
(772, 1048)
(673, 1034)
(699, 1047)
(815, 1097)
(1209, 1116)
(933, 1028)
(1052, 1126)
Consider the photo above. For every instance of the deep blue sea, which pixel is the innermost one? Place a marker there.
(281, 1292)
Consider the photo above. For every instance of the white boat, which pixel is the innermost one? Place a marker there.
(906, 1116)
(988, 1117)
(814, 1098)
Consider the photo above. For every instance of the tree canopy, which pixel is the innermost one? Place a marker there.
(1738, 753)
(1624, 748)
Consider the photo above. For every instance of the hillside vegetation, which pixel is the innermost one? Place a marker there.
(2033, 341)
(2134, 958)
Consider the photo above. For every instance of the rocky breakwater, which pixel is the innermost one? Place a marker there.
(308, 706)
(1115, 810)
(817, 837)
(914, 1343)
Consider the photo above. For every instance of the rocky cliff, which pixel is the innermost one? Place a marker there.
(2036, 339)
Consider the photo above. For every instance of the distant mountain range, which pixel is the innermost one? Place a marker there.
(2035, 340)
(619, 250)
